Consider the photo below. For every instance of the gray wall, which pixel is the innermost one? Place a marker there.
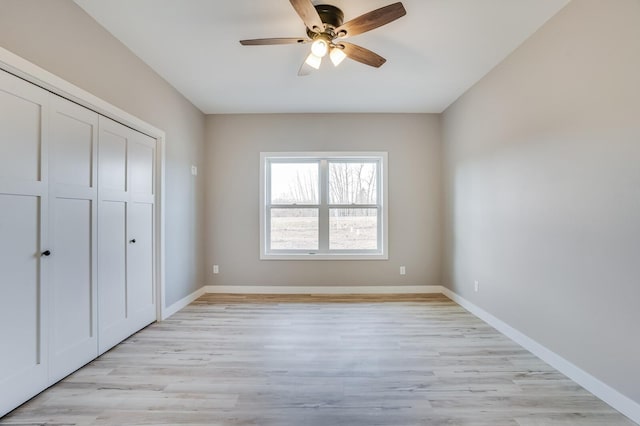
(234, 143)
(542, 176)
(60, 37)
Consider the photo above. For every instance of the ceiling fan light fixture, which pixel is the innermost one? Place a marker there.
(324, 24)
(320, 47)
(337, 56)
(313, 61)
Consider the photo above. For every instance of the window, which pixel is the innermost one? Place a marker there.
(323, 206)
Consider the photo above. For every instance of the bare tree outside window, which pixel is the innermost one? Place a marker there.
(352, 183)
(294, 183)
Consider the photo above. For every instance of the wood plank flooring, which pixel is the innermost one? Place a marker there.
(318, 360)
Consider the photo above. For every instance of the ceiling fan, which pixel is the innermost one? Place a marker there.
(325, 29)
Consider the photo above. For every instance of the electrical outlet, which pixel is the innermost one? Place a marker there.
(476, 286)
(216, 269)
(403, 270)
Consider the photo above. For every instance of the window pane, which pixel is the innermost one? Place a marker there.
(294, 183)
(351, 183)
(353, 229)
(294, 229)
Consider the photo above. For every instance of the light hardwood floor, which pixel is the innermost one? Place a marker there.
(318, 360)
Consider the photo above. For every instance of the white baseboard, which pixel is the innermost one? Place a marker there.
(253, 289)
(615, 399)
(182, 303)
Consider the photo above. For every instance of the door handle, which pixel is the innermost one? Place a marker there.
(132, 241)
(46, 253)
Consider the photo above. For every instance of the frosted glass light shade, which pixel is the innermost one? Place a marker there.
(313, 61)
(337, 56)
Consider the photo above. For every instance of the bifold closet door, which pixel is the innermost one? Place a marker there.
(141, 231)
(23, 239)
(72, 315)
(126, 296)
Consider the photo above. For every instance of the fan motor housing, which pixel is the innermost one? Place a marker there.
(330, 15)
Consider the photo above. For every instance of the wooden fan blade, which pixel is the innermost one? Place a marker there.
(362, 55)
(369, 21)
(309, 14)
(269, 41)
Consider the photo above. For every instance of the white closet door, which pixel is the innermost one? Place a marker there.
(112, 234)
(23, 238)
(140, 230)
(72, 231)
(125, 232)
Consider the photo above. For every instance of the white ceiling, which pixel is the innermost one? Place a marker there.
(434, 53)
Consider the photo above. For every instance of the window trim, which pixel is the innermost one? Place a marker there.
(323, 158)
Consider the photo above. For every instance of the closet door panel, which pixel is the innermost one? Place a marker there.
(113, 317)
(23, 236)
(126, 294)
(71, 158)
(112, 276)
(72, 233)
(140, 275)
(141, 157)
(20, 286)
(72, 197)
(73, 340)
(140, 264)
(20, 130)
(113, 158)
(126, 226)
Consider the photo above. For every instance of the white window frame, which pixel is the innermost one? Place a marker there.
(323, 252)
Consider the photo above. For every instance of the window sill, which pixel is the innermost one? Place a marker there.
(337, 256)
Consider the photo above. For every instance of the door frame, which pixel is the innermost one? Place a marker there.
(20, 67)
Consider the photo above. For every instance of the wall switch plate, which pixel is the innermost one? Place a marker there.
(403, 270)
(476, 286)
(194, 170)
(216, 269)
